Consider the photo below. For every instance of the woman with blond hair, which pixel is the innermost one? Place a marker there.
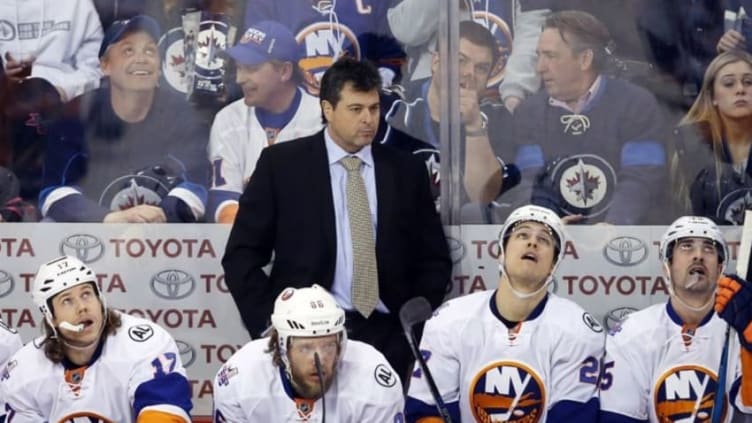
(710, 167)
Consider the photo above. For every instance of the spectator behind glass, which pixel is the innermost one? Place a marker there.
(737, 26)
(415, 24)
(274, 108)
(127, 158)
(215, 16)
(328, 29)
(589, 147)
(710, 168)
(58, 39)
(483, 127)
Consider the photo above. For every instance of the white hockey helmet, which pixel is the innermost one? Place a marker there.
(540, 215)
(692, 227)
(307, 312)
(55, 277)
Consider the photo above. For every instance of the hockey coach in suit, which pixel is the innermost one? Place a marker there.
(295, 206)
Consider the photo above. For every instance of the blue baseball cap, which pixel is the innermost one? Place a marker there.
(120, 28)
(265, 41)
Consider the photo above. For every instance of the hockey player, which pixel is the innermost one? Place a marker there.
(518, 353)
(92, 363)
(307, 370)
(274, 108)
(661, 363)
(10, 342)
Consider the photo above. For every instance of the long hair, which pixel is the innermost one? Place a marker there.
(54, 348)
(273, 349)
(704, 116)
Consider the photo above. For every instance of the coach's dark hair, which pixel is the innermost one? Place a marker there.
(480, 36)
(582, 31)
(54, 349)
(362, 75)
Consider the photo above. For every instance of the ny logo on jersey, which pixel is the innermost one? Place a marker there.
(507, 391)
(84, 417)
(686, 393)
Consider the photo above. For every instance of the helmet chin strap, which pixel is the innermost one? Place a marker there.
(525, 295)
(673, 294)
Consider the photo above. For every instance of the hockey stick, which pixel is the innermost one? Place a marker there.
(742, 270)
(320, 374)
(418, 310)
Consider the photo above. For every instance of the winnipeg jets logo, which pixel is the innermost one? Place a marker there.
(211, 42)
(585, 183)
(174, 61)
(575, 124)
(732, 207)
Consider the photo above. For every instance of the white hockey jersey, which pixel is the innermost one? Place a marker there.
(138, 369)
(237, 139)
(250, 388)
(546, 367)
(10, 342)
(657, 370)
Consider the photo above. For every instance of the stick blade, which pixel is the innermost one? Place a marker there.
(416, 310)
(744, 257)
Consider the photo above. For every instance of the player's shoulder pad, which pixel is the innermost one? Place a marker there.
(461, 309)
(26, 365)
(571, 318)
(136, 333)
(638, 325)
(251, 357)
(365, 368)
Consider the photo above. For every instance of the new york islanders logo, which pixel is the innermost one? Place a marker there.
(686, 394)
(84, 417)
(323, 44)
(503, 34)
(507, 391)
(585, 184)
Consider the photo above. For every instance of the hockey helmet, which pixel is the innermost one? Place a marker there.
(55, 277)
(692, 227)
(540, 215)
(306, 312)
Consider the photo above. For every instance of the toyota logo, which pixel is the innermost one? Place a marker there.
(625, 251)
(456, 249)
(172, 284)
(187, 353)
(85, 247)
(6, 283)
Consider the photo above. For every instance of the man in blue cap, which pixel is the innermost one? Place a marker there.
(125, 158)
(274, 108)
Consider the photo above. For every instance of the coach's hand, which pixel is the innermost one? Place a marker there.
(733, 302)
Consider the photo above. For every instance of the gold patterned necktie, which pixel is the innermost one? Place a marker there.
(365, 281)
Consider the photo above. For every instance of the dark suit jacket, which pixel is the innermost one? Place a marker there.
(287, 208)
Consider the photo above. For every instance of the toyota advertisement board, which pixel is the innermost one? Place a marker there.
(172, 275)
